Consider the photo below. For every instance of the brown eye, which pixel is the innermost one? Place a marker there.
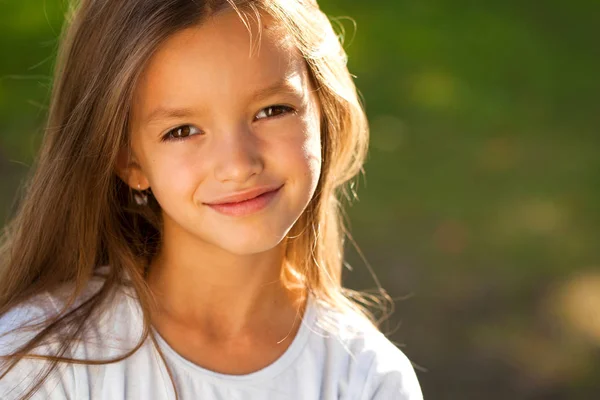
(181, 132)
(273, 111)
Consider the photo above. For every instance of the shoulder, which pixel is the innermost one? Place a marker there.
(18, 327)
(21, 323)
(391, 373)
(102, 339)
(119, 312)
(376, 367)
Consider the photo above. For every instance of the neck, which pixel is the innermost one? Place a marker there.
(204, 288)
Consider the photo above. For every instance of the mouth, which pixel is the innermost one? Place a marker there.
(245, 203)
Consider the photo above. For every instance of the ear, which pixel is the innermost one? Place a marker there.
(130, 171)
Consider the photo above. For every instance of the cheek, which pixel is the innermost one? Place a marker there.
(312, 156)
(302, 156)
(312, 148)
(172, 174)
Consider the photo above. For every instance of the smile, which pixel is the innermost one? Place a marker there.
(245, 207)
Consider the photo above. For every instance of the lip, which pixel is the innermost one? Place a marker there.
(252, 201)
(243, 196)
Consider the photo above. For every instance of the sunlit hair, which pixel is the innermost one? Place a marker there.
(77, 215)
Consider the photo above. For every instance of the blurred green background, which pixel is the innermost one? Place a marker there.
(479, 211)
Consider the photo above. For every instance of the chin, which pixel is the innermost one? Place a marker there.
(249, 246)
(253, 236)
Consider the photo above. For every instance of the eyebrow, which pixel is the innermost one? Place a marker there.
(282, 86)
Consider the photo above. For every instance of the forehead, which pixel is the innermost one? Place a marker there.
(218, 57)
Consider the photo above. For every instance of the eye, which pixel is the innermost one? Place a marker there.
(274, 111)
(181, 132)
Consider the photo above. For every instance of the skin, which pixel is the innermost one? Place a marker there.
(222, 304)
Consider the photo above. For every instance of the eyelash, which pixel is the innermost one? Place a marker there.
(285, 110)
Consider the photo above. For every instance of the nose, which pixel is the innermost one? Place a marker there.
(237, 156)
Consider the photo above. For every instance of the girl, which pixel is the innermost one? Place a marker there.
(181, 234)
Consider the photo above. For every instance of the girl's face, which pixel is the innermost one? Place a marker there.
(218, 117)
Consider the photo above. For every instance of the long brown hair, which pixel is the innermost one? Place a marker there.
(77, 215)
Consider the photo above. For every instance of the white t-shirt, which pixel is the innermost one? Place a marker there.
(354, 363)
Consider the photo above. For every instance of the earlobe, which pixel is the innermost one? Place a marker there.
(129, 170)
